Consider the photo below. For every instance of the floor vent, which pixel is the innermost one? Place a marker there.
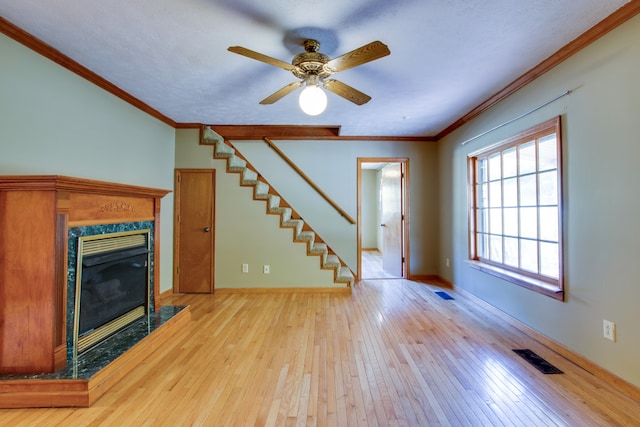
(537, 361)
(444, 295)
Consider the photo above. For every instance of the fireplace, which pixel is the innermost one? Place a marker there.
(42, 218)
(112, 288)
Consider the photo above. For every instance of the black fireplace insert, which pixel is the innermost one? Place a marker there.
(113, 285)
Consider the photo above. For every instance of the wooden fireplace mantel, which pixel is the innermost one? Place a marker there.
(35, 215)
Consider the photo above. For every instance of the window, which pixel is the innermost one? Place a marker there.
(516, 209)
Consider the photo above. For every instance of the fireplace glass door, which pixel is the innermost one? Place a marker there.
(112, 289)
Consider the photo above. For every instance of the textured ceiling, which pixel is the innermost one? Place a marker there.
(447, 56)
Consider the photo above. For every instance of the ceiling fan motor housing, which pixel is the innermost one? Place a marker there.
(311, 61)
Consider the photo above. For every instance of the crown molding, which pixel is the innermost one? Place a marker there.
(38, 46)
(603, 27)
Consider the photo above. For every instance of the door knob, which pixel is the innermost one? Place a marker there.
(207, 229)
(383, 225)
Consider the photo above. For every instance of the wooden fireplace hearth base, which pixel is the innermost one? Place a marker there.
(47, 391)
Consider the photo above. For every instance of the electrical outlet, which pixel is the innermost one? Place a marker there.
(609, 330)
(447, 262)
(245, 268)
(265, 269)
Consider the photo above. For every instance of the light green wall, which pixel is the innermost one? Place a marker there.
(52, 122)
(245, 234)
(601, 147)
(333, 166)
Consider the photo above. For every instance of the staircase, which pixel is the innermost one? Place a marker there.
(302, 233)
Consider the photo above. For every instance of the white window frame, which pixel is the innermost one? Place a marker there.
(488, 240)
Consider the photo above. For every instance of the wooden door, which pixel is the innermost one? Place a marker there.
(195, 234)
(391, 207)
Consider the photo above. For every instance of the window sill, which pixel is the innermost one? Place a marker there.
(519, 279)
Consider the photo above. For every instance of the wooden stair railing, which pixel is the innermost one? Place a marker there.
(302, 231)
(309, 181)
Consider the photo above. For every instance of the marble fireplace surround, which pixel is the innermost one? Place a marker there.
(46, 215)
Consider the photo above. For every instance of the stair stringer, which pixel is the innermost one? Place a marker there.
(276, 205)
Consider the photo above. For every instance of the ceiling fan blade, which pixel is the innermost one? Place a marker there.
(347, 92)
(281, 93)
(260, 57)
(362, 55)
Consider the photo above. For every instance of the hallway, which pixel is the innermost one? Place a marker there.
(372, 266)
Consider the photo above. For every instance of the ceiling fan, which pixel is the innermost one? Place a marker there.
(314, 69)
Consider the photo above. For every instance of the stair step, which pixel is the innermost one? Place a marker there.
(285, 214)
(295, 223)
(274, 203)
(209, 136)
(331, 261)
(236, 164)
(319, 249)
(249, 177)
(306, 236)
(280, 210)
(261, 190)
(345, 275)
(223, 150)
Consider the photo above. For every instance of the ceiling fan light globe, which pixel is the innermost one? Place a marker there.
(313, 100)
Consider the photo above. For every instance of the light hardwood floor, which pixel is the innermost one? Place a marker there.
(391, 354)
(372, 265)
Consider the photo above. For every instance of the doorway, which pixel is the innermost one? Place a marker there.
(383, 222)
(194, 231)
